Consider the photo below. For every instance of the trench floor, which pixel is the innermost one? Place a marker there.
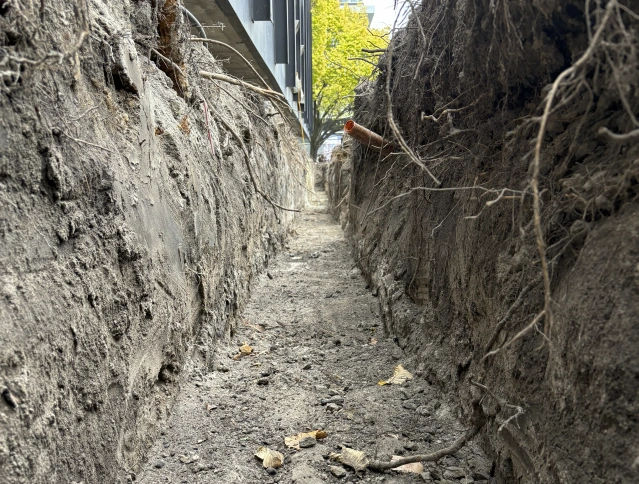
(316, 335)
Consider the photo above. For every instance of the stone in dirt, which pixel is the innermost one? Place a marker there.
(337, 471)
(307, 441)
(332, 407)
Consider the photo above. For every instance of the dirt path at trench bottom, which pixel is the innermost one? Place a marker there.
(319, 319)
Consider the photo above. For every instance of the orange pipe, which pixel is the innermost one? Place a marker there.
(367, 137)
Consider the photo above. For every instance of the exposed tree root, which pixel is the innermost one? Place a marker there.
(478, 420)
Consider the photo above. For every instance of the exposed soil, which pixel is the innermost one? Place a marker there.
(130, 231)
(318, 317)
(467, 83)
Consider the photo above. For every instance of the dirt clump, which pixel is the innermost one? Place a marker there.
(450, 232)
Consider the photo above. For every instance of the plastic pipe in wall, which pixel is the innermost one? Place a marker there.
(367, 137)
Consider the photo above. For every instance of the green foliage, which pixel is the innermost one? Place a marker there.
(339, 35)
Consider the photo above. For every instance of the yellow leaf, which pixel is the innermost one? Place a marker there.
(269, 458)
(293, 441)
(350, 457)
(244, 350)
(400, 375)
(415, 467)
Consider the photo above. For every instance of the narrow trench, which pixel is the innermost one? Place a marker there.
(318, 355)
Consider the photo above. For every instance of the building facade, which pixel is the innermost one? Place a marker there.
(275, 36)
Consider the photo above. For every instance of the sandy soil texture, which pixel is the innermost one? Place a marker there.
(318, 354)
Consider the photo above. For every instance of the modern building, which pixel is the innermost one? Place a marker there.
(274, 35)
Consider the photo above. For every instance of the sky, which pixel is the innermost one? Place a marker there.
(384, 12)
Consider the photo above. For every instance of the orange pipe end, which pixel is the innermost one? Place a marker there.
(367, 137)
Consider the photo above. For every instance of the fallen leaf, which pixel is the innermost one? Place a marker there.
(294, 440)
(350, 457)
(400, 375)
(269, 458)
(415, 467)
(245, 350)
(373, 341)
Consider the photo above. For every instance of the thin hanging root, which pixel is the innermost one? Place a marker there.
(217, 42)
(272, 95)
(247, 162)
(539, 235)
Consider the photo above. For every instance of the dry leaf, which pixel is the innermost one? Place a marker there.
(351, 457)
(294, 440)
(269, 458)
(415, 467)
(373, 340)
(400, 375)
(245, 350)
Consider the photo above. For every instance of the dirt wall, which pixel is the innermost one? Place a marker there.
(130, 228)
(467, 85)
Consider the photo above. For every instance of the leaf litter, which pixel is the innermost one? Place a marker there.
(400, 375)
(414, 468)
(293, 441)
(269, 457)
(244, 350)
(351, 457)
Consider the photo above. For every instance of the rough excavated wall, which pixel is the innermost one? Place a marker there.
(467, 94)
(338, 182)
(126, 246)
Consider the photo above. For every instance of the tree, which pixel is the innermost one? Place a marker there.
(339, 35)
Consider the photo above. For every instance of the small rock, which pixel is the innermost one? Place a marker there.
(332, 392)
(410, 446)
(332, 407)
(307, 366)
(159, 464)
(222, 369)
(409, 405)
(426, 477)
(454, 473)
(481, 476)
(337, 471)
(308, 441)
(262, 381)
(271, 471)
(187, 459)
(333, 399)
(199, 468)
(315, 255)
